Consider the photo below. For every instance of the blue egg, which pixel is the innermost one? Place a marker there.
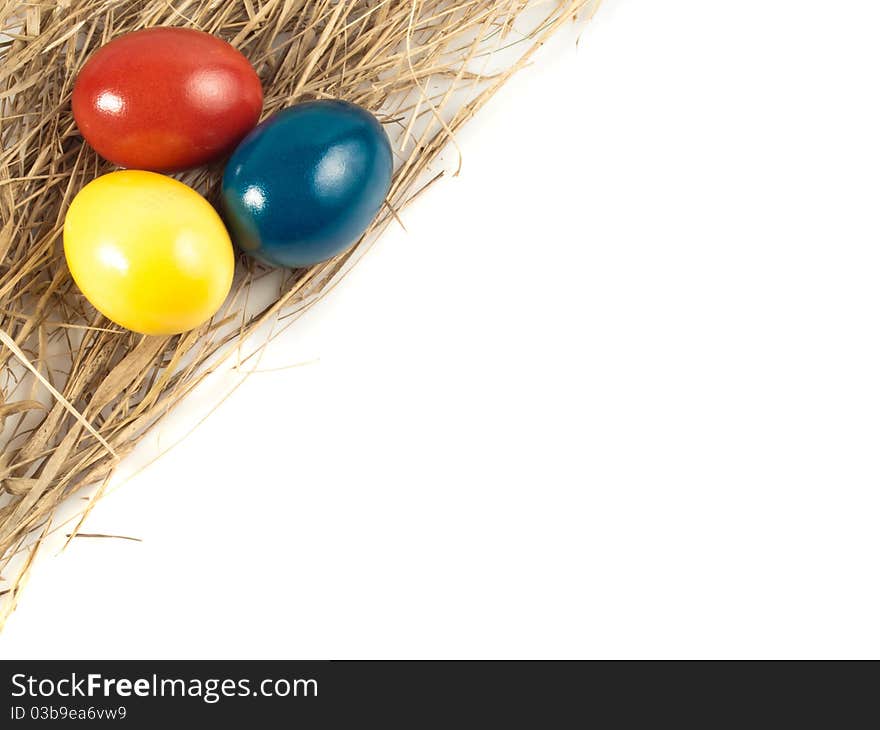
(307, 182)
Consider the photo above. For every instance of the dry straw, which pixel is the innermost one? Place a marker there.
(76, 392)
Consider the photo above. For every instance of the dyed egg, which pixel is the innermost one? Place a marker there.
(307, 182)
(148, 252)
(166, 99)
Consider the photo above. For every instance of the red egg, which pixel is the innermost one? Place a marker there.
(166, 99)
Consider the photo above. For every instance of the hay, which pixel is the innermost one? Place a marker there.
(77, 392)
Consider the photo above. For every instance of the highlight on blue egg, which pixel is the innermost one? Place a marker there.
(305, 184)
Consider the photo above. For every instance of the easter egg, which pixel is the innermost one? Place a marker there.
(166, 99)
(148, 252)
(307, 182)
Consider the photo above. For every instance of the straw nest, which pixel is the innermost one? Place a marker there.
(76, 391)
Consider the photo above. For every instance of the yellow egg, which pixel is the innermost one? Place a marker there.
(148, 252)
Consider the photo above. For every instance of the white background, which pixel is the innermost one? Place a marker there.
(615, 393)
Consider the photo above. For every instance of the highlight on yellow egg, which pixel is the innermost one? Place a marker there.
(148, 252)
